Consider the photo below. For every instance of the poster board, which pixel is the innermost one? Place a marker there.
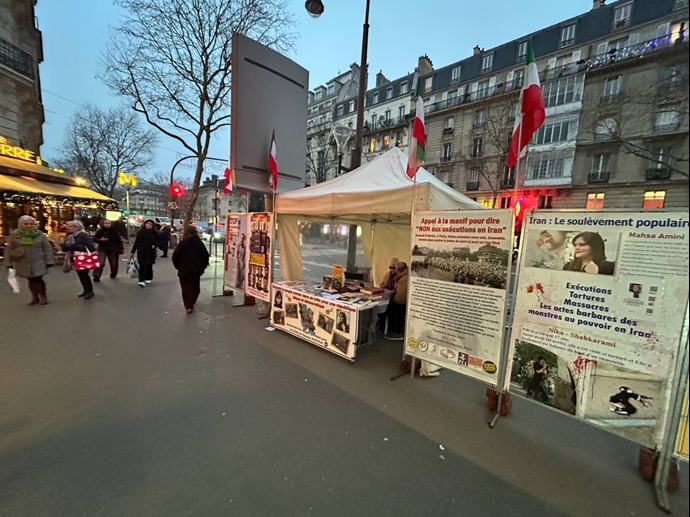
(599, 309)
(325, 323)
(459, 272)
(259, 263)
(683, 431)
(235, 251)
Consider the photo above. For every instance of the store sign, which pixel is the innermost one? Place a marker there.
(12, 151)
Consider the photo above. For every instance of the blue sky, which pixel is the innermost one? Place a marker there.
(75, 33)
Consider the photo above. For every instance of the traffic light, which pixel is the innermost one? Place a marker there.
(176, 190)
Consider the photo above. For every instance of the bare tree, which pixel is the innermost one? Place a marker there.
(99, 144)
(322, 152)
(171, 60)
(490, 144)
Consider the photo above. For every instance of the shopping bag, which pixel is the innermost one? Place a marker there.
(13, 280)
(85, 260)
(133, 268)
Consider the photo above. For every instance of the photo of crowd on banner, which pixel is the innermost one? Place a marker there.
(486, 266)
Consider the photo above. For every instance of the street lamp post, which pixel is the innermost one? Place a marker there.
(315, 8)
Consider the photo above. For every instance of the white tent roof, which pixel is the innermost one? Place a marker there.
(379, 190)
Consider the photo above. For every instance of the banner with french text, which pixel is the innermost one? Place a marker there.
(599, 309)
(235, 251)
(459, 274)
(258, 275)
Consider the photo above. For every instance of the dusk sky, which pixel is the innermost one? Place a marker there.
(75, 33)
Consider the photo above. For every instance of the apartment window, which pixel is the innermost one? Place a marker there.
(675, 75)
(428, 83)
(401, 113)
(321, 161)
(482, 90)
(372, 144)
(398, 138)
(449, 123)
(654, 199)
(595, 201)
(607, 128)
(474, 176)
(455, 75)
(519, 78)
(506, 202)
(618, 44)
(544, 201)
(479, 119)
(552, 165)
(376, 98)
(522, 51)
(512, 115)
(373, 121)
(318, 95)
(680, 4)
(559, 129)
(477, 147)
(341, 110)
(567, 35)
(600, 165)
(447, 151)
(563, 91)
(386, 142)
(389, 92)
(487, 63)
(403, 88)
(351, 107)
(444, 176)
(612, 87)
(331, 89)
(621, 16)
(661, 158)
(667, 120)
(387, 115)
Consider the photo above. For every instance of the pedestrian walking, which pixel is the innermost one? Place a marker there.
(190, 258)
(164, 240)
(78, 240)
(110, 247)
(145, 247)
(30, 254)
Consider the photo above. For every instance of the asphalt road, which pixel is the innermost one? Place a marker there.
(125, 406)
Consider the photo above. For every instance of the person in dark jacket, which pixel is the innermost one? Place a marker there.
(190, 258)
(164, 240)
(145, 248)
(109, 247)
(78, 240)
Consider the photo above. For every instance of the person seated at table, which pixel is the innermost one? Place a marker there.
(398, 304)
(389, 277)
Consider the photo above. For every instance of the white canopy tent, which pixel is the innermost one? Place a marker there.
(378, 197)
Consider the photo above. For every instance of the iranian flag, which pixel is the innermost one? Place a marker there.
(229, 176)
(273, 164)
(415, 155)
(531, 114)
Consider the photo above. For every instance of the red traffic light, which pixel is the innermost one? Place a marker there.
(176, 190)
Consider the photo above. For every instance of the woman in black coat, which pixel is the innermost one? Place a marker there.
(78, 240)
(190, 258)
(145, 248)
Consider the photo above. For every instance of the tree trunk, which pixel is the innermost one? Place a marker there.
(493, 200)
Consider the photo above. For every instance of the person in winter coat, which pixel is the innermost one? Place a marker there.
(164, 240)
(29, 252)
(145, 248)
(78, 240)
(109, 247)
(190, 258)
(398, 304)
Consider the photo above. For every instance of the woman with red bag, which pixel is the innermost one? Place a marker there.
(80, 242)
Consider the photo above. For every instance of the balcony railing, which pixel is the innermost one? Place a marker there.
(563, 71)
(658, 174)
(446, 158)
(472, 185)
(384, 123)
(16, 59)
(598, 177)
(479, 124)
(508, 183)
(448, 131)
(667, 128)
(609, 98)
(634, 51)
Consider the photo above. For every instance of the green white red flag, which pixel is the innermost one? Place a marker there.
(531, 114)
(415, 155)
(273, 164)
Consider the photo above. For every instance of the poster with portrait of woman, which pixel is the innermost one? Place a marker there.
(598, 312)
(235, 251)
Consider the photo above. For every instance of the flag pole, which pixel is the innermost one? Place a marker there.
(516, 176)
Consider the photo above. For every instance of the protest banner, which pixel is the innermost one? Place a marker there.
(235, 251)
(259, 266)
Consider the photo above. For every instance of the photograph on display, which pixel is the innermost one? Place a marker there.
(306, 315)
(278, 318)
(235, 251)
(340, 342)
(622, 401)
(601, 345)
(343, 322)
(483, 265)
(583, 252)
(291, 310)
(259, 259)
(278, 300)
(325, 322)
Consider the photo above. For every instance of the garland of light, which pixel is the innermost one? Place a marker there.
(633, 51)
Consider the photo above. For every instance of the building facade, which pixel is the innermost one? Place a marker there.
(21, 51)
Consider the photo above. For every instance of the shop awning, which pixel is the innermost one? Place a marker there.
(58, 191)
